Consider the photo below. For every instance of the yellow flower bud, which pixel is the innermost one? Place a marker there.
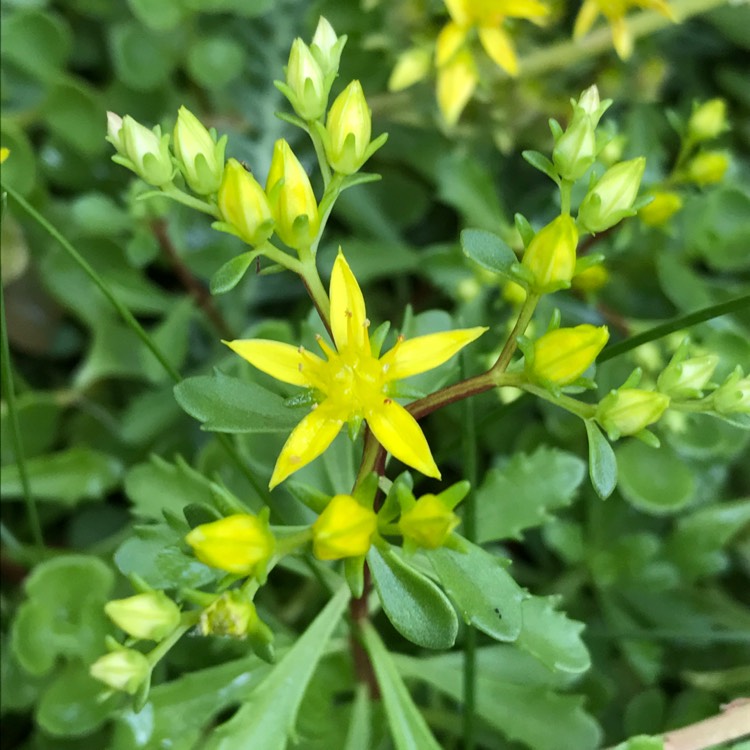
(151, 615)
(411, 67)
(243, 205)
(344, 529)
(306, 84)
(562, 356)
(591, 279)
(326, 47)
(630, 410)
(708, 121)
(232, 614)
(551, 255)
(124, 669)
(612, 198)
(200, 156)
(292, 200)
(707, 168)
(514, 293)
(349, 128)
(661, 209)
(241, 544)
(428, 523)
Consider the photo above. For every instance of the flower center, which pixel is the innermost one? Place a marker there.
(355, 382)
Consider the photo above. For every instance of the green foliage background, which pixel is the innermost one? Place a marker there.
(658, 573)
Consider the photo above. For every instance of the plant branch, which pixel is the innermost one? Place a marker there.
(194, 287)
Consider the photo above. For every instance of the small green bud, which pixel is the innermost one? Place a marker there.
(200, 156)
(686, 378)
(629, 410)
(428, 523)
(551, 255)
(306, 83)
(150, 616)
(144, 151)
(114, 132)
(733, 396)
(232, 614)
(707, 168)
(326, 47)
(611, 199)
(708, 121)
(124, 669)
(243, 205)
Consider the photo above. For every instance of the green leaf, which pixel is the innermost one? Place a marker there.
(178, 711)
(171, 337)
(642, 742)
(155, 554)
(75, 113)
(161, 16)
(520, 495)
(542, 163)
(408, 728)
(358, 737)
(602, 461)
(159, 485)
(67, 477)
(71, 706)
(143, 59)
(231, 273)
(267, 718)
(38, 417)
(63, 614)
(489, 251)
(214, 61)
(654, 480)
(533, 714)
(696, 543)
(227, 404)
(486, 595)
(416, 607)
(551, 637)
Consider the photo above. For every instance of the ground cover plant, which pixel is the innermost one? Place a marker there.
(375, 375)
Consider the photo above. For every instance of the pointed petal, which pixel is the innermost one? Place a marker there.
(531, 9)
(498, 45)
(348, 314)
(400, 434)
(456, 81)
(660, 6)
(281, 361)
(622, 38)
(306, 442)
(449, 41)
(425, 352)
(585, 19)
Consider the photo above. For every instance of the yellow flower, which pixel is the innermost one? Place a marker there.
(562, 356)
(241, 544)
(614, 11)
(4, 153)
(344, 529)
(457, 75)
(352, 383)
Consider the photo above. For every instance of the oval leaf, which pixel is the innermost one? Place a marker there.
(485, 594)
(231, 273)
(418, 609)
(602, 461)
(489, 251)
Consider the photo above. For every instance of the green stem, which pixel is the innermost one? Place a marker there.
(311, 279)
(566, 187)
(579, 408)
(15, 429)
(676, 324)
(524, 318)
(566, 54)
(189, 619)
(188, 200)
(320, 152)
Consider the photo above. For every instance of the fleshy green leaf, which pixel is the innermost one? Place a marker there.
(67, 477)
(542, 163)
(231, 273)
(489, 251)
(408, 728)
(416, 607)
(486, 595)
(520, 495)
(266, 719)
(602, 461)
(226, 404)
(642, 742)
(654, 480)
(551, 637)
(358, 737)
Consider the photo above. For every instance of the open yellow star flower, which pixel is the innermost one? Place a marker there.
(614, 11)
(352, 383)
(456, 72)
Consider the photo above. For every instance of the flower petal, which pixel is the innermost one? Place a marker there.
(417, 355)
(306, 442)
(348, 314)
(449, 41)
(290, 364)
(530, 9)
(622, 38)
(400, 434)
(585, 19)
(456, 81)
(498, 45)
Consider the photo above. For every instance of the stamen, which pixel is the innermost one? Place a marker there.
(387, 401)
(324, 346)
(366, 324)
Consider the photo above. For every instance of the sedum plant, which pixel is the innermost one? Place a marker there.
(407, 548)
